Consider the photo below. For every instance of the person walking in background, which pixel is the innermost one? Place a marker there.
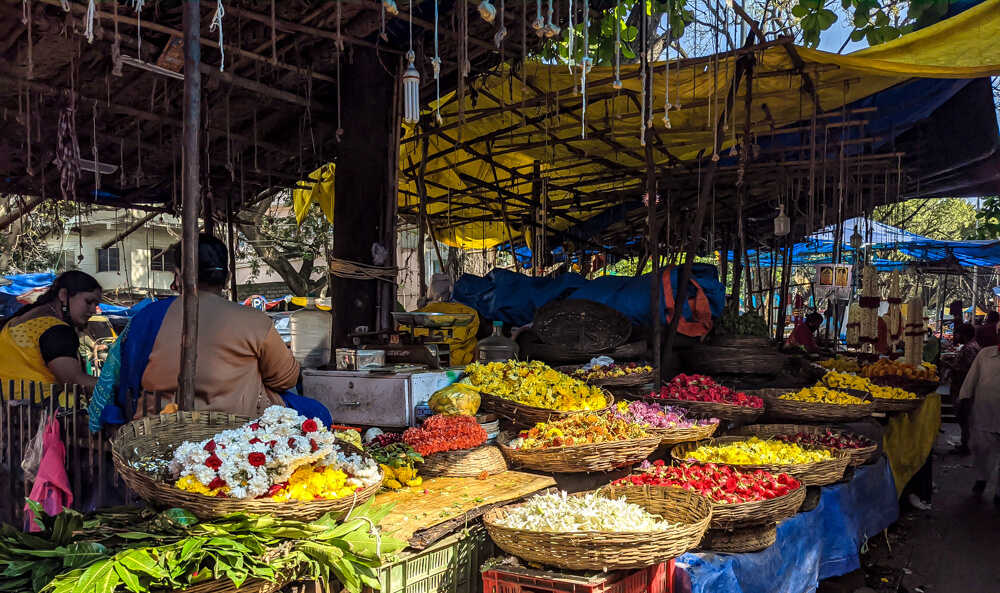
(986, 333)
(982, 385)
(959, 366)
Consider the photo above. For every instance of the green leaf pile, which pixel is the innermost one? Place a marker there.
(138, 550)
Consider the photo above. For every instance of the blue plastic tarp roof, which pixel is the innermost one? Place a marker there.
(818, 248)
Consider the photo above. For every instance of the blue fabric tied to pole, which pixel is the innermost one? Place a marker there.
(823, 543)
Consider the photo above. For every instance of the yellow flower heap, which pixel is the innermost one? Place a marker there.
(308, 483)
(844, 381)
(398, 477)
(757, 452)
(582, 429)
(842, 364)
(534, 384)
(823, 395)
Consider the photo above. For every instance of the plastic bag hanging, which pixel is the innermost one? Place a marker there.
(88, 32)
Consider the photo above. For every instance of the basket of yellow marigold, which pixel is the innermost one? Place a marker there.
(527, 393)
(582, 443)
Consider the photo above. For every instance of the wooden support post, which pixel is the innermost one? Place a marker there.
(737, 271)
(362, 186)
(190, 189)
(653, 234)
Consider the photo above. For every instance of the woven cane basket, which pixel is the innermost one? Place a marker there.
(528, 416)
(157, 437)
(672, 436)
(592, 550)
(595, 457)
(740, 541)
(883, 404)
(467, 463)
(810, 411)
(731, 412)
(724, 516)
(766, 431)
(819, 473)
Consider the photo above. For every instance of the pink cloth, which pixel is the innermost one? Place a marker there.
(51, 488)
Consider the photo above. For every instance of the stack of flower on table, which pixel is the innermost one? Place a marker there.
(845, 381)
(700, 394)
(824, 395)
(534, 384)
(611, 371)
(441, 433)
(585, 429)
(282, 456)
(397, 459)
(755, 451)
(720, 483)
(671, 423)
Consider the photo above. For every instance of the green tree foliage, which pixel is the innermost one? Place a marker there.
(988, 219)
(947, 219)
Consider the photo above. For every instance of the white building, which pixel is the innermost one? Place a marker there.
(134, 265)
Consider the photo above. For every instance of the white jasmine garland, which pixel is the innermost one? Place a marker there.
(278, 444)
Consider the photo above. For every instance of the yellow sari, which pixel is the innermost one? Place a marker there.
(21, 358)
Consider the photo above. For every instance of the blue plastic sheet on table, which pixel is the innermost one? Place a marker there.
(513, 298)
(820, 544)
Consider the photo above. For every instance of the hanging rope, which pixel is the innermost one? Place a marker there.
(666, 88)
(88, 31)
(67, 147)
(584, 68)
(29, 19)
(502, 30)
(340, 49)
(342, 268)
(572, 35)
(617, 84)
(93, 151)
(220, 11)
(116, 48)
(139, 5)
(436, 65)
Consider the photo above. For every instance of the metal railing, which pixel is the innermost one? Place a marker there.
(24, 408)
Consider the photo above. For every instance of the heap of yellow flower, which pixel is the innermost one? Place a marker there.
(534, 384)
(308, 483)
(581, 429)
(841, 364)
(757, 452)
(397, 477)
(823, 395)
(191, 484)
(843, 381)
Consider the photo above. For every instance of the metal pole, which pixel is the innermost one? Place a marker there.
(190, 190)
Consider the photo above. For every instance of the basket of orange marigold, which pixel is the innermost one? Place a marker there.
(453, 446)
(585, 443)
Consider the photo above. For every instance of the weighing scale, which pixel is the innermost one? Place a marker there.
(416, 365)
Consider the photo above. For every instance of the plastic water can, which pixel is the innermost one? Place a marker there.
(310, 329)
(498, 347)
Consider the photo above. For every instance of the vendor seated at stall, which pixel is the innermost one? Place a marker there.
(243, 366)
(802, 334)
(40, 343)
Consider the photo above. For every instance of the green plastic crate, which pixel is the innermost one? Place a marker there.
(449, 566)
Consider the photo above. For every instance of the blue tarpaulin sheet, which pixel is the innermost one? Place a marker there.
(823, 543)
(17, 285)
(513, 298)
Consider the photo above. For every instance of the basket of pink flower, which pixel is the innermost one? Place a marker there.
(213, 464)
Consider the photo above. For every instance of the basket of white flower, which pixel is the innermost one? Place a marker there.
(213, 464)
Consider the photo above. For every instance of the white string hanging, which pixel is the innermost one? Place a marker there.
(585, 67)
(666, 87)
(88, 31)
(25, 9)
(539, 22)
(502, 31)
(551, 29)
(436, 64)
(116, 48)
(642, 81)
(139, 5)
(617, 84)
(572, 36)
(220, 11)
(93, 151)
(411, 80)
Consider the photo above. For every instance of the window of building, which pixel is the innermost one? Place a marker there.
(160, 260)
(108, 260)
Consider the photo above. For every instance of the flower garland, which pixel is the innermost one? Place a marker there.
(281, 455)
(445, 433)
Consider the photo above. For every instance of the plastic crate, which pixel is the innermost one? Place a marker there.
(448, 566)
(654, 579)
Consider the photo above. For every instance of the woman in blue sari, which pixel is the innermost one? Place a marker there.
(243, 365)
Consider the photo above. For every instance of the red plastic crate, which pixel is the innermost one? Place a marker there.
(655, 579)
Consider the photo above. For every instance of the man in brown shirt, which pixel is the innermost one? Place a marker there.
(243, 364)
(986, 334)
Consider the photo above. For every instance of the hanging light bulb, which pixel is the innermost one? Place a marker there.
(782, 224)
(411, 91)
(857, 240)
(487, 11)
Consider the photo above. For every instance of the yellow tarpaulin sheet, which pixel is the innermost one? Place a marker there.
(908, 439)
(517, 120)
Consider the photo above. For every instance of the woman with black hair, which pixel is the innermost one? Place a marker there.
(243, 364)
(40, 343)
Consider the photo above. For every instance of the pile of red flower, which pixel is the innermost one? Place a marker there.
(699, 388)
(445, 433)
(828, 439)
(720, 483)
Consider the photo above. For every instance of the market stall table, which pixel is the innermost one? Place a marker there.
(439, 506)
(812, 546)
